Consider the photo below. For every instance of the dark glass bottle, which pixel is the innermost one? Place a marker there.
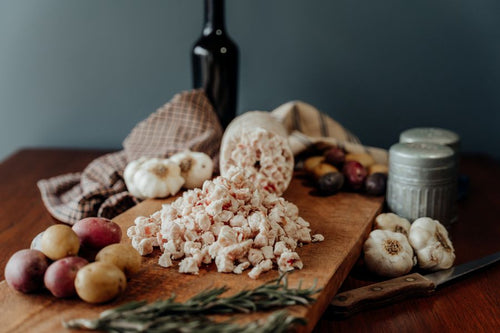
(215, 63)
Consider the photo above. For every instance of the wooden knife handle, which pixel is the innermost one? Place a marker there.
(375, 295)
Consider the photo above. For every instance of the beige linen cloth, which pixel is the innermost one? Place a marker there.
(188, 121)
(306, 126)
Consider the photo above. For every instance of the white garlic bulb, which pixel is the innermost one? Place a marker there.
(388, 253)
(153, 178)
(196, 167)
(429, 238)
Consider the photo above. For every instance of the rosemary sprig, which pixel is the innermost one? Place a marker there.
(278, 321)
(191, 316)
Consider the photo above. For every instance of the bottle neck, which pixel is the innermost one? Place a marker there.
(214, 17)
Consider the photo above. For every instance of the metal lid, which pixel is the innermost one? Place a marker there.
(431, 134)
(421, 162)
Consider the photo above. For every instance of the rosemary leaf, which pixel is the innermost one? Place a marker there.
(279, 321)
(191, 316)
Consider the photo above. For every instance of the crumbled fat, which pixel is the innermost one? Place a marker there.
(318, 238)
(288, 261)
(229, 221)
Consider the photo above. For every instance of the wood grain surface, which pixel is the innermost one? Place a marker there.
(471, 304)
(344, 220)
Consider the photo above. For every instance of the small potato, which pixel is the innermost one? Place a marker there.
(97, 232)
(123, 256)
(366, 160)
(322, 169)
(99, 282)
(355, 174)
(376, 183)
(378, 168)
(59, 241)
(330, 183)
(25, 269)
(59, 278)
(335, 156)
(311, 162)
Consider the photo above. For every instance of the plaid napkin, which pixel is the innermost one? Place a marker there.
(188, 121)
(306, 126)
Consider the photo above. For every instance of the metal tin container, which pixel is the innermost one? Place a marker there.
(433, 135)
(422, 181)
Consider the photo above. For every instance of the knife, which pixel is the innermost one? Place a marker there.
(352, 301)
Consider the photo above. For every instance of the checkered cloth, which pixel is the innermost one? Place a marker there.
(188, 121)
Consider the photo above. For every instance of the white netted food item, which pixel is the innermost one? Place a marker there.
(229, 221)
(257, 144)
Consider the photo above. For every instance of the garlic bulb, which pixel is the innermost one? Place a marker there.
(153, 178)
(429, 239)
(196, 167)
(388, 253)
(392, 222)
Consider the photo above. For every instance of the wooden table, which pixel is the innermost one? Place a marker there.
(469, 305)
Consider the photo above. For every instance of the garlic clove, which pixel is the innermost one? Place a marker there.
(430, 240)
(392, 222)
(128, 176)
(196, 167)
(388, 253)
(174, 184)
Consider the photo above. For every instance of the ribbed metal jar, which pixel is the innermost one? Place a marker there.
(422, 181)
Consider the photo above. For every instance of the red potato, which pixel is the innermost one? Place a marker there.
(335, 156)
(60, 277)
(355, 174)
(376, 183)
(25, 270)
(97, 232)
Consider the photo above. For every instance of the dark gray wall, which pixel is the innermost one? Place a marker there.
(81, 73)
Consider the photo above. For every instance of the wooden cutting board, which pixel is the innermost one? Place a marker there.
(345, 219)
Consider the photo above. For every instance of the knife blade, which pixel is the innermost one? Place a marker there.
(378, 294)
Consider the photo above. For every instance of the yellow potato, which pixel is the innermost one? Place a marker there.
(366, 160)
(311, 162)
(378, 168)
(99, 282)
(322, 169)
(123, 256)
(59, 241)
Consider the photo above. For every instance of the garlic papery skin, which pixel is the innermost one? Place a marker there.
(392, 222)
(429, 238)
(153, 178)
(196, 167)
(388, 253)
